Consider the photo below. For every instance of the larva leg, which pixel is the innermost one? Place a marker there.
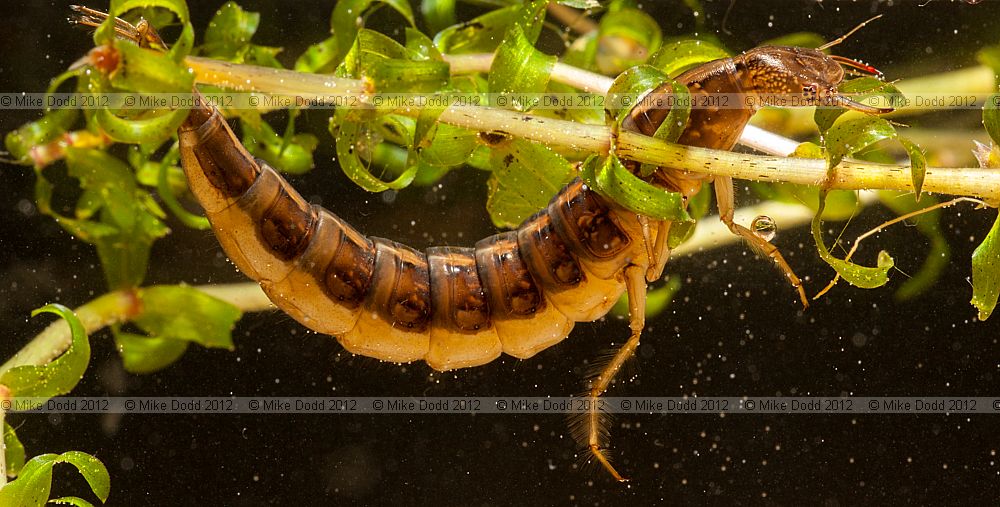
(724, 195)
(597, 432)
(648, 237)
(660, 252)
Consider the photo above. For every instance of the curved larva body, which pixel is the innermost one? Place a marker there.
(517, 292)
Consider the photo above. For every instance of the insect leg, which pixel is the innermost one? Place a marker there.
(647, 238)
(596, 422)
(661, 252)
(724, 196)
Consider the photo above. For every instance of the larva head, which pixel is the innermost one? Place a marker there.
(808, 74)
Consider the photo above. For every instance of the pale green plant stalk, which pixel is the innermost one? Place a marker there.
(568, 135)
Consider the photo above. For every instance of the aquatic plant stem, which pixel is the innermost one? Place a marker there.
(118, 307)
(568, 135)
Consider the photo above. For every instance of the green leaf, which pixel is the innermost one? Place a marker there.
(13, 450)
(530, 17)
(92, 470)
(352, 139)
(62, 374)
(229, 32)
(861, 90)
(370, 47)
(438, 14)
(397, 75)
(178, 7)
(987, 156)
(184, 313)
(421, 46)
(629, 87)
(525, 177)
(183, 45)
(863, 276)
(129, 220)
(479, 35)
(613, 180)
(450, 146)
(857, 134)
(320, 58)
(144, 354)
(33, 485)
(986, 272)
(991, 117)
(855, 274)
(854, 135)
(677, 56)
(918, 165)
(676, 121)
(626, 38)
(54, 123)
(164, 169)
(348, 16)
(808, 150)
(393, 67)
(292, 153)
(146, 130)
(681, 232)
(518, 69)
(990, 57)
(149, 71)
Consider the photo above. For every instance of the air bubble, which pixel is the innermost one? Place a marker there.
(764, 227)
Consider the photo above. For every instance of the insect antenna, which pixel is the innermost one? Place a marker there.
(855, 66)
(143, 34)
(844, 37)
(87, 17)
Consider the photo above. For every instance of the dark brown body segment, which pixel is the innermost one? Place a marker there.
(462, 332)
(226, 165)
(509, 287)
(525, 321)
(395, 318)
(287, 225)
(330, 279)
(348, 275)
(581, 285)
(401, 289)
(718, 91)
(719, 124)
(456, 293)
(586, 223)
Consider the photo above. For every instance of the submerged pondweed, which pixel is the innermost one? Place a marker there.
(592, 134)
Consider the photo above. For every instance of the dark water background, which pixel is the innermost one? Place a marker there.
(735, 330)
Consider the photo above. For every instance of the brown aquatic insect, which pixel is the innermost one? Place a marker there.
(516, 292)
